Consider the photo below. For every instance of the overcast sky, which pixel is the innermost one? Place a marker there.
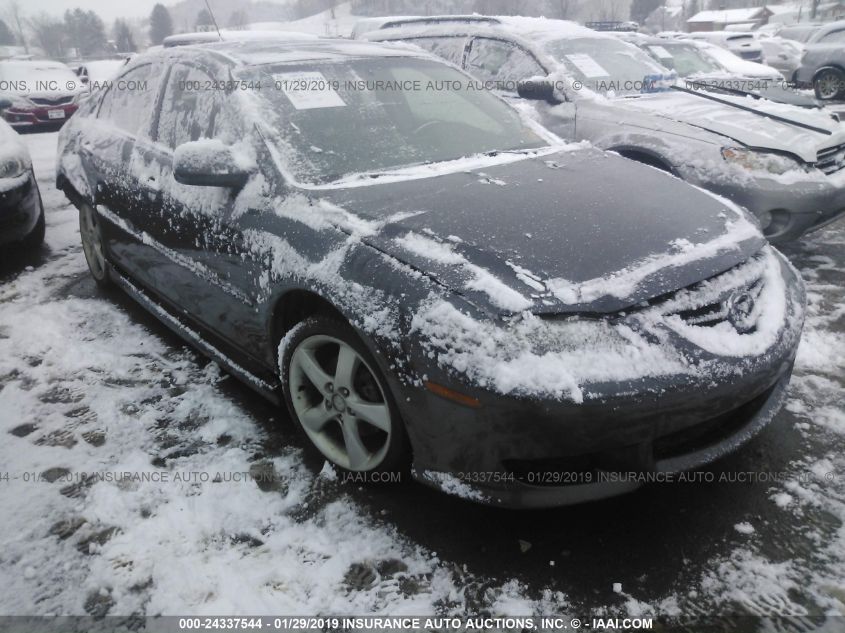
(109, 10)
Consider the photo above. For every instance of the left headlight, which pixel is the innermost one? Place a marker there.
(761, 161)
(12, 167)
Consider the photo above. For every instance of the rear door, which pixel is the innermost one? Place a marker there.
(126, 112)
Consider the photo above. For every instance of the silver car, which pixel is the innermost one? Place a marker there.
(823, 64)
(783, 163)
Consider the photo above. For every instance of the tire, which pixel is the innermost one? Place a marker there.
(337, 395)
(90, 229)
(829, 84)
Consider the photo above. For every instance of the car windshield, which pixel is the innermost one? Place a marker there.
(373, 115)
(685, 59)
(605, 65)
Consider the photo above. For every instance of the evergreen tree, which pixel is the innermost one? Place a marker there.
(123, 38)
(161, 25)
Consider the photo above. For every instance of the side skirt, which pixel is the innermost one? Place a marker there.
(267, 390)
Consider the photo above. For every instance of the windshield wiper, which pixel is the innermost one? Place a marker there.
(766, 115)
(496, 152)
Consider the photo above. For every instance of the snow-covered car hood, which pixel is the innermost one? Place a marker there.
(775, 91)
(753, 129)
(576, 231)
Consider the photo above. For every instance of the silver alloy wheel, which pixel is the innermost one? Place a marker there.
(829, 84)
(340, 403)
(92, 243)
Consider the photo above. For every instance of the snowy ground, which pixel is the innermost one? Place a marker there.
(238, 521)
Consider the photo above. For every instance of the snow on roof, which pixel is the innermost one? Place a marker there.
(183, 39)
(727, 16)
(532, 29)
(270, 51)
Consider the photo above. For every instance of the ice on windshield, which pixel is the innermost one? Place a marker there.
(370, 115)
(605, 65)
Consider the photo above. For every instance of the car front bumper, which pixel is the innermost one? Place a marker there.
(787, 211)
(46, 116)
(522, 452)
(20, 208)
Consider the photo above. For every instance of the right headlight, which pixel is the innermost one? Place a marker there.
(768, 162)
(12, 167)
(17, 100)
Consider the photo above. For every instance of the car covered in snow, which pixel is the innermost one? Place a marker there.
(21, 211)
(424, 278)
(784, 163)
(706, 65)
(744, 45)
(97, 73)
(782, 54)
(42, 93)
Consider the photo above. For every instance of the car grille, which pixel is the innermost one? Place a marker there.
(831, 160)
(58, 101)
(735, 307)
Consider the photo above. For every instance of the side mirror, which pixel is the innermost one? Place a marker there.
(209, 163)
(537, 90)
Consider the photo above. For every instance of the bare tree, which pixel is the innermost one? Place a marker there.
(49, 33)
(564, 8)
(13, 9)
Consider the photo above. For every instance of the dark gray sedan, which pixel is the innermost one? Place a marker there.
(22, 220)
(429, 283)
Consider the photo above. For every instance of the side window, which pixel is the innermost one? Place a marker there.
(834, 36)
(502, 62)
(129, 103)
(449, 48)
(190, 107)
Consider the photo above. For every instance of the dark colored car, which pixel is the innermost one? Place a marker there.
(42, 94)
(21, 212)
(425, 279)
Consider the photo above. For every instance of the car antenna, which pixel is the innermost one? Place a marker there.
(214, 20)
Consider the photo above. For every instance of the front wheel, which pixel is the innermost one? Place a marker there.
(829, 84)
(340, 399)
(90, 229)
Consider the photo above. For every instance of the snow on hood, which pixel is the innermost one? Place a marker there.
(748, 128)
(568, 358)
(39, 78)
(563, 233)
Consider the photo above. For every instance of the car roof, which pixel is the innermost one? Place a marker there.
(280, 50)
(203, 37)
(536, 30)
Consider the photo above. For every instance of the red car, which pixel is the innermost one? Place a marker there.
(42, 93)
